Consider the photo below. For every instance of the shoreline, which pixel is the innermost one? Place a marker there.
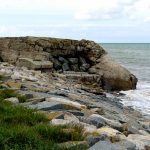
(65, 102)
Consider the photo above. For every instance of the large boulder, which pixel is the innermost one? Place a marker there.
(68, 55)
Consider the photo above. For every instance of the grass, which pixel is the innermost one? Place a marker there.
(25, 129)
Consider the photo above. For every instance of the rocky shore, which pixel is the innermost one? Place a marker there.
(68, 81)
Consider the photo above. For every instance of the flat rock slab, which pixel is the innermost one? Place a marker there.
(31, 64)
(106, 145)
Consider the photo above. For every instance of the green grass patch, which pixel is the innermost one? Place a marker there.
(25, 129)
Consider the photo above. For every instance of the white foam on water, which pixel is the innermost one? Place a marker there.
(138, 99)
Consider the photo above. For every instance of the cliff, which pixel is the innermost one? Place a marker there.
(63, 55)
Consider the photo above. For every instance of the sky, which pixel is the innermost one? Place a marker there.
(103, 21)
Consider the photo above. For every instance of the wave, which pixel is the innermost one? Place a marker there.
(138, 99)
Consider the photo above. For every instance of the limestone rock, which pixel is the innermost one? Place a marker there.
(114, 76)
(31, 64)
(12, 100)
(140, 140)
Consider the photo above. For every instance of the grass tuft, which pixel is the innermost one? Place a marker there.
(25, 129)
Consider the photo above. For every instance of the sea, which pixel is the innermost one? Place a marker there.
(136, 58)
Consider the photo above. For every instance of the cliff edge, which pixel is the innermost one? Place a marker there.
(67, 57)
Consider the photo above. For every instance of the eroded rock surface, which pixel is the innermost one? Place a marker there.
(51, 54)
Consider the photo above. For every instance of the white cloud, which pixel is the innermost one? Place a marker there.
(140, 10)
(102, 9)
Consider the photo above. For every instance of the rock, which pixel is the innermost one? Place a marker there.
(147, 147)
(113, 73)
(87, 112)
(113, 134)
(58, 122)
(84, 67)
(62, 60)
(88, 129)
(92, 71)
(31, 64)
(14, 85)
(74, 145)
(76, 112)
(139, 140)
(65, 67)
(126, 145)
(82, 60)
(92, 121)
(73, 60)
(67, 102)
(68, 119)
(101, 121)
(16, 76)
(75, 67)
(51, 115)
(105, 145)
(91, 140)
(57, 65)
(36, 100)
(12, 100)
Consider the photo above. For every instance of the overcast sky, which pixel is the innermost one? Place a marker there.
(98, 20)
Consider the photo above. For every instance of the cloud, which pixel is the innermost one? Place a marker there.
(140, 10)
(102, 9)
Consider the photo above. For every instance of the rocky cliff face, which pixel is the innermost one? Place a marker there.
(63, 55)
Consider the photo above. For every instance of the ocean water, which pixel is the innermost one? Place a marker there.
(136, 58)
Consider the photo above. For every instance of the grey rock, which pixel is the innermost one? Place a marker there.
(133, 130)
(105, 145)
(93, 121)
(82, 60)
(57, 65)
(92, 70)
(76, 113)
(91, 140)
(62, 60)
(73, 60)
(100, 121)
(47, 106)
(84, 67)
(75, 67)
(126, 145)
(65, 67)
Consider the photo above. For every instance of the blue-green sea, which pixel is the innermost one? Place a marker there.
(136, 58)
